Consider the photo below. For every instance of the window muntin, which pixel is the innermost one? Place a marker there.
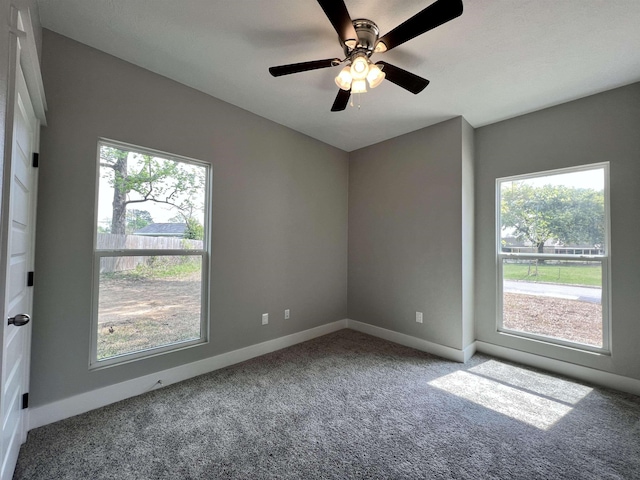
(151, 254)
(552, 256)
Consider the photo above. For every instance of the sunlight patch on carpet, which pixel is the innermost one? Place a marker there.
(537, 383)
(535, 410)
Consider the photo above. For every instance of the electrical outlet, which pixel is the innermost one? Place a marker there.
(265, 318)
(287, 314)
(419, 317)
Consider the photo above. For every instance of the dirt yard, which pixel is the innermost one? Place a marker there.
(136, 314)
(572, 320)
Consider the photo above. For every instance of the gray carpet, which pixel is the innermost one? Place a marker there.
(345, 406)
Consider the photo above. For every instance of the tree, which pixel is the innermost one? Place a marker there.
(586, 225)
(567, 214)
(194, 230)
(137, 219)
(151, 179)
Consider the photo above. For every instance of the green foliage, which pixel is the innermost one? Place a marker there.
(194, 231)
(151, 178)
(537, 214)
(159, 267)
(137, 219)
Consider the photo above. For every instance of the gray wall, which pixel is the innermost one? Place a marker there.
(406, 232)
(279, 214)
(280, 217)
(603, 127)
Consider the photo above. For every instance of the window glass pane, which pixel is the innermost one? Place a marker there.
(558, 299)
(560, 214)
(149, 202)
(147, 302)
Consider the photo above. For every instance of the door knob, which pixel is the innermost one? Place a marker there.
(19, 320)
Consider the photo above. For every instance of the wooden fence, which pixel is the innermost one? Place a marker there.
(555, 250)
(107, 241)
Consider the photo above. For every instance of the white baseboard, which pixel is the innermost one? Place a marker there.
(469, 352)
(591, 375)
(408, 341)
(68, 407)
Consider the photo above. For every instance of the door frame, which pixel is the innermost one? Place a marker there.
(23, 53)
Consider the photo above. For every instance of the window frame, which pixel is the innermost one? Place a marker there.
(604, 259)
(98, 254)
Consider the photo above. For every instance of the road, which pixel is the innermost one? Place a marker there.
(570, 292)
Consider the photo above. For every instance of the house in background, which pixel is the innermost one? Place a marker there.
(361, 235)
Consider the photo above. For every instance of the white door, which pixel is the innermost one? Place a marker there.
(18, 218)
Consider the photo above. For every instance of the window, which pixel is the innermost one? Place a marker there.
(553, 256)
(151, 254)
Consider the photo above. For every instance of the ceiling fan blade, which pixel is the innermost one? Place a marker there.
(341, 101)
(402, 78)
(302, 67)
(431, 17)
(337, 13)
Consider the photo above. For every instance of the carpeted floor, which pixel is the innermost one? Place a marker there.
(350, 406)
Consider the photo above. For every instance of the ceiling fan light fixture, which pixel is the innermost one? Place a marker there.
(380, 47)
(359, 86)
(343, 80)
(375, 76)
(360, 38)
(351, 43)
(359, 67)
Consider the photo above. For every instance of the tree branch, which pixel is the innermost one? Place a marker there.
(155, 200)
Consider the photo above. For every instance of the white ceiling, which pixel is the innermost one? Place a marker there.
(500, 59)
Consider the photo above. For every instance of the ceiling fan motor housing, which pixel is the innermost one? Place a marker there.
(367, 32)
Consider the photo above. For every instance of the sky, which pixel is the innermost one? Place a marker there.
(581, 179)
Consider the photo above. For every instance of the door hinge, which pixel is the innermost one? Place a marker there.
(25, 400)
(36, 158)
(30, 279)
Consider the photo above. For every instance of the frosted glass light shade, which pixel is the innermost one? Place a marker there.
(359, 67)
(359, 86)
(380, 47)
(343, 80)
(375, 76)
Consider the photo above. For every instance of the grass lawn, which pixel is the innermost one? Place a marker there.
(157, 269)
(589, 275)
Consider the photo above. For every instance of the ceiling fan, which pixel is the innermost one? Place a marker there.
(360, 39)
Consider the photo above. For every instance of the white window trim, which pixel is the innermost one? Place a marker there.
(204, 253)
(604, 259)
